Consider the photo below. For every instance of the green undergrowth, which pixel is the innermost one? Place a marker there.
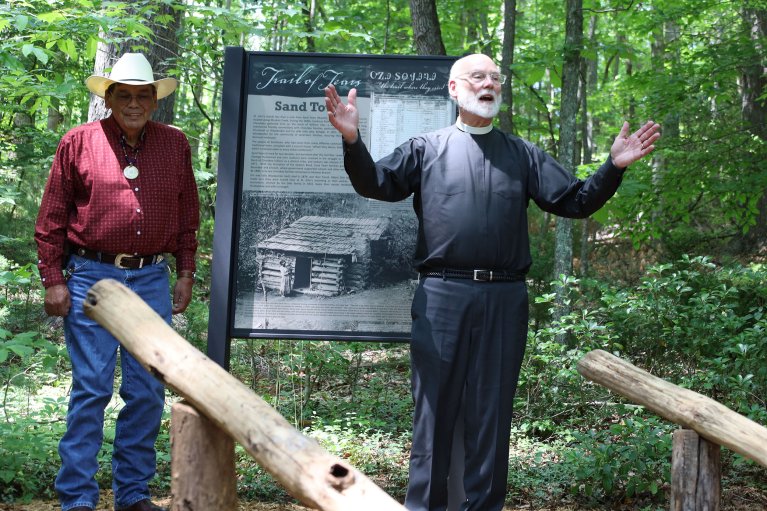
(695, 323)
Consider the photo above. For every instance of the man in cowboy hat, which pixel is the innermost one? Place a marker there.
(120, 196)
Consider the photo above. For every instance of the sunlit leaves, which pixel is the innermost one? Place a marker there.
(39, 53)
(21, 22)
(51, 17)
(709, 183)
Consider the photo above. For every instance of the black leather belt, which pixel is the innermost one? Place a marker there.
(123, 261)
(477, 275)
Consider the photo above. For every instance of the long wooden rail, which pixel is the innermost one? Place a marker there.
(696, 467)
(710, 419)
(298, 463)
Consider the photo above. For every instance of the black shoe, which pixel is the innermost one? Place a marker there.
(142, 505)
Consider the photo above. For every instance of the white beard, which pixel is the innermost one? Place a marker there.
(470, 102)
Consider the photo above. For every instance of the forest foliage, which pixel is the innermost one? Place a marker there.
(670, 275)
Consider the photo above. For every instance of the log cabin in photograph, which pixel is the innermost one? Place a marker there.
(325, 256)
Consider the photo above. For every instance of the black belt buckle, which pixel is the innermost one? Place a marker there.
(483, 275)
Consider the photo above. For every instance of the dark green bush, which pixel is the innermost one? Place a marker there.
(694, 323)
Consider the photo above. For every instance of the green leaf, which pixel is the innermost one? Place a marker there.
(91, 46)
(533, 75)
(21, 22)
(21, 350)
(39, 53)
(68, 46)
(602, 215)
(25, 337)
(51, 17)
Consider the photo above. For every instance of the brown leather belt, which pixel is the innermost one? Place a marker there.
(476, 275)
(123, 261)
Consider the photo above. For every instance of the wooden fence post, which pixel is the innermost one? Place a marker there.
(696, 473)
(203, 475)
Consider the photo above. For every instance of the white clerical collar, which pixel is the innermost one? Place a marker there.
(473, 130)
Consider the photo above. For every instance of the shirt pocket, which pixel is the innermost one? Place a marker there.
(446, 184)
(505, 185)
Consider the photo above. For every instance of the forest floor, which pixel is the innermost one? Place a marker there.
(106, 505)
(741, 499)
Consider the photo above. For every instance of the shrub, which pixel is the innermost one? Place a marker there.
(694, 323)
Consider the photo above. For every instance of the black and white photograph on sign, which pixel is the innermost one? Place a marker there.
(313, 256)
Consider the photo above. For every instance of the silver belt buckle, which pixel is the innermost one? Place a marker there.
(120, 257)
(489, 274)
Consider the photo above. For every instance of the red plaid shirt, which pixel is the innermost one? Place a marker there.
(88, 202)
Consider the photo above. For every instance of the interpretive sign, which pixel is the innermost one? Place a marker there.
(297, 253)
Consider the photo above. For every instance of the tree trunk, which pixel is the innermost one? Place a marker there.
(507, 59)
(588, 83)
(568, 138)
(753, 78)
(585, 246)
(106, 55)
(664, 55)
(163, 54)
(54, 118)
(427, 35)
(753, 85)
(308, 9)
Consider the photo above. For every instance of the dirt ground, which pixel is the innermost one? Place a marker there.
(742, 499)
(243, 506)
(106, 505)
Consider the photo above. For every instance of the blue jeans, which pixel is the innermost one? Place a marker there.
(93, 352)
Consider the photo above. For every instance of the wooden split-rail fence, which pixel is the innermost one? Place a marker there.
(201, 481)
(220, 410)
(707, 425)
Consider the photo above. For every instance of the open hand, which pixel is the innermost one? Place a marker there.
(344, 117)
(627, 149)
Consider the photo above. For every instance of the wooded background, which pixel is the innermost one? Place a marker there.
(578, 69)
(670, 273)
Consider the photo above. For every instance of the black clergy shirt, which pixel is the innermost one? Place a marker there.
(470, 194)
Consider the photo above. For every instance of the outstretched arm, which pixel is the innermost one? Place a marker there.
(344, 117)
(627, 149)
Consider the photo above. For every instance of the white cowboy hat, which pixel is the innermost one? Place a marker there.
(131, 69)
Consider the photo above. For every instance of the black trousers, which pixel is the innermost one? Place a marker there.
(468, 340)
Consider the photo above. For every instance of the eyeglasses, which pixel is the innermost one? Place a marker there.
(478, 77)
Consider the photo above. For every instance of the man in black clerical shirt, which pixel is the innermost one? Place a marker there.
(471, 185)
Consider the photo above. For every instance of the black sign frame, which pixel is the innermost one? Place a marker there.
(383, 74)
